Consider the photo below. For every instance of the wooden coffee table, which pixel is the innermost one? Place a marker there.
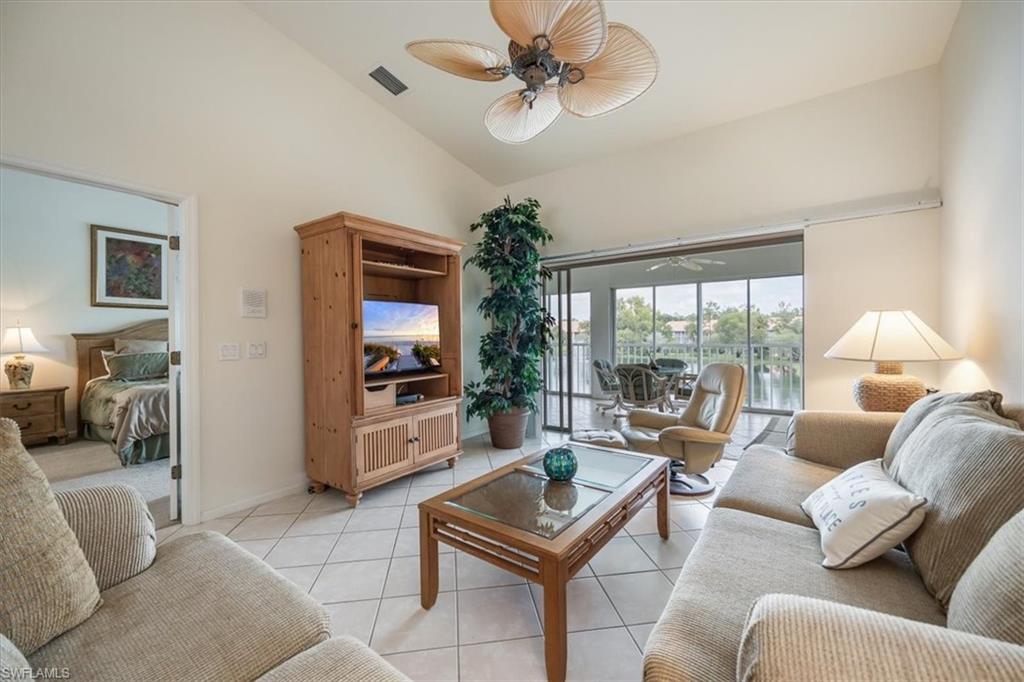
(519, 520)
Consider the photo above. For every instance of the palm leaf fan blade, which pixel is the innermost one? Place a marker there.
(461, 58)
(625, 70)
(512, 120)
(576, 29)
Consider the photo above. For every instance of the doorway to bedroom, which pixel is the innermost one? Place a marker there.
(90, 308)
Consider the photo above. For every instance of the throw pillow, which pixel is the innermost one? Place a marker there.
(47, 585)
(122, 346)
(13, 665)
(916, 413)
(135, 366)
(861, 514)
(989, 599)
(969, 462)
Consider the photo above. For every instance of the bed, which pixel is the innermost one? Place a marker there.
(133, 416)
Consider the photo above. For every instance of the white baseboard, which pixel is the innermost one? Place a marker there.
(299, 486)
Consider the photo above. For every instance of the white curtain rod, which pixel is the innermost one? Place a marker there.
(709, 239)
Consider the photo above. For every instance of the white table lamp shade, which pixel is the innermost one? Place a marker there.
(891, 336)
(21, 340)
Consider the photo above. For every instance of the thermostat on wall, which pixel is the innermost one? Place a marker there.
(254, 302)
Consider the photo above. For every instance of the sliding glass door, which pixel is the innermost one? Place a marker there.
(776, 339)
(757, 323)
(556, 368)
(724, 323)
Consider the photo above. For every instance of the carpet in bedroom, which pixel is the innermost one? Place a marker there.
(84, 463)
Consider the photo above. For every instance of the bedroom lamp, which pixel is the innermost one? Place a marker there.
(889, 338)
(20, 340)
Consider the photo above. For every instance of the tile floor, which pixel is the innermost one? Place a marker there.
(363, 565)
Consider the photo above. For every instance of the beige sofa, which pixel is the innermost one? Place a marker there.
(198, 608)
(754, 603)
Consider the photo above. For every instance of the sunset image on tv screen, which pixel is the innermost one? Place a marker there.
(400, 337)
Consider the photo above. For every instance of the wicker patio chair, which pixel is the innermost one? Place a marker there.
(641, 387)
(679, 389)
(609, 385)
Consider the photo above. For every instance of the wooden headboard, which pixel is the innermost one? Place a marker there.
(90, 361)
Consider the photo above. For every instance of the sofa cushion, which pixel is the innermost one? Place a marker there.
(46, 584)
(969, 463)
(205, 609)
(989, 599)
(114, 529)
(917, 413)
(768, 482)
(344, 659)
(740, 557)
(796, 639)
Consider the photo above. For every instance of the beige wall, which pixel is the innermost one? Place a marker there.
(887, 262)
(868, 146)
(982, 182)
(206, 98)
(853, 146)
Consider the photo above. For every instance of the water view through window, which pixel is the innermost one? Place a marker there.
(757, 323)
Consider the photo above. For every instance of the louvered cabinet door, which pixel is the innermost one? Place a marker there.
(383, 448)
(436, 434)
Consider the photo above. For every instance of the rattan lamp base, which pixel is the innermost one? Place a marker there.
(888, 389)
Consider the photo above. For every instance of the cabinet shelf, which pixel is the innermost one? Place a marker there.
(398, 271)
(404, 378)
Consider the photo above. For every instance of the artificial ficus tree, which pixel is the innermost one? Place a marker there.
(512, 350)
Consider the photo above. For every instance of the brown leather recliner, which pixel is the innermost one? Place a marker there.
(696, 439)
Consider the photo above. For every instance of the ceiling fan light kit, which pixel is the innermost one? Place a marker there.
(567, 55)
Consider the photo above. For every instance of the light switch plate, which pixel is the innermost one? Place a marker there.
(256, 350)
(229, 351)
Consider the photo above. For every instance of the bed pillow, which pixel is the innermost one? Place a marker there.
(139, 346)
(861, 514)
(135, 366)
(46, 584)
(106, 355)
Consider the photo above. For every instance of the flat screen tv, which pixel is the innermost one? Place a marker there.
(400, 337)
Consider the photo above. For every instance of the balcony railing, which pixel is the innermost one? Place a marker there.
(775, 370)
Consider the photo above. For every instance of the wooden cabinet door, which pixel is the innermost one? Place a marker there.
(383, 448)
(436, 433)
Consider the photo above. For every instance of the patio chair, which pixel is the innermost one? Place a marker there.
(696, 439)
(678, 388)
(641, 387)
(609, 385)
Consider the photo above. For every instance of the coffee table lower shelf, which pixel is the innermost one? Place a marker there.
(538, 560)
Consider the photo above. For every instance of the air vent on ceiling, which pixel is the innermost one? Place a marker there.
(388, 80)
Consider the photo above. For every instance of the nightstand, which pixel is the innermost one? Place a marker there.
(38, 411)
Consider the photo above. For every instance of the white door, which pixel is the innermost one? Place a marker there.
(174, 338)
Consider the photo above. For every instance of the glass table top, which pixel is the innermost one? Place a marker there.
(602, 468)
(526, 499)
(531, 502)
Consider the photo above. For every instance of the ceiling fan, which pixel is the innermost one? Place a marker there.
(565, 52)
(688, 262)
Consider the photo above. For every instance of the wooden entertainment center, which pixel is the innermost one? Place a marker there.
(357, 437)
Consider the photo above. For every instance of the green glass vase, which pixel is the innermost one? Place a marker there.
(560, 463)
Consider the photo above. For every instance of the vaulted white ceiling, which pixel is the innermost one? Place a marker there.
(720, 61)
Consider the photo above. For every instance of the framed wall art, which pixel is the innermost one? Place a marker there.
(129, 268)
